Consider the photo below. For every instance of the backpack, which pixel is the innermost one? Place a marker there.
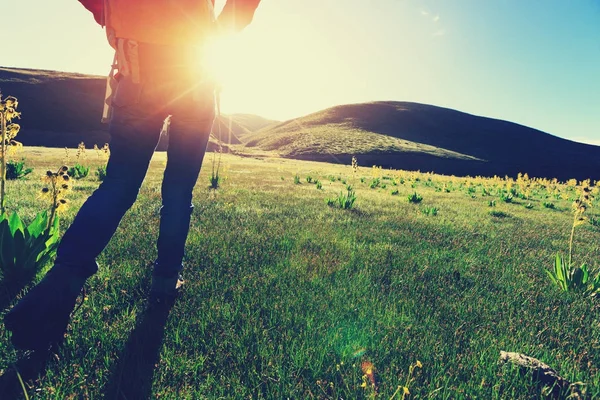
(162, 22)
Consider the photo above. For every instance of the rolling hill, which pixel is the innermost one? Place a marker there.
(63, 109)
(414, 136)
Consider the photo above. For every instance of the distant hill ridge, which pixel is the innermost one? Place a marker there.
(63, 109)
(407, 135)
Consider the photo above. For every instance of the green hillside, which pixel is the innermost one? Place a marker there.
(428, 138)
(59, 109)
(253, 122)
(63, 109)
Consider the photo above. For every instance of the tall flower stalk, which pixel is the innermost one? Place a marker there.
(3, 156)
(58, 183)
(580, 205)
(8, 112)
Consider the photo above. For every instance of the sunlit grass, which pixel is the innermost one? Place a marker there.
(286, 297)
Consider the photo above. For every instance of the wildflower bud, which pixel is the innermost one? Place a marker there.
(65, 186)
(66, 177)
(49, 174)
(45, 190)
(64, 168)
(63, 201)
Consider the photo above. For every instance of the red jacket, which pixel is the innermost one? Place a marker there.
(237, 14)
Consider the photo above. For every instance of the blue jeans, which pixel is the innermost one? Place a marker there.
(139, 109)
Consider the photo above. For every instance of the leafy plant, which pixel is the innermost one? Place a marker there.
(492, 203)
(506, 197)
(415, 198)
(78, 171)
(296, 179)
(319, 185)
(529, 206)
(101, 173)
(567, 277)
(344, 201)
(16, 170)
(549, 205)
(374, 183)
(309, 179)
(395, 192)
(25, 250)
(214, 180)
(431, 211)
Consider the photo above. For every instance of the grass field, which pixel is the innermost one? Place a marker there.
(286, 297)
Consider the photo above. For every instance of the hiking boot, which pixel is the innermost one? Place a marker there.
(40, 319)
(164, 288)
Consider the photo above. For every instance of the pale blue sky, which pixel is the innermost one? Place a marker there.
(534, 62)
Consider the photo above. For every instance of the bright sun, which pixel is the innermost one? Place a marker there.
(276, 69)
(219, 58)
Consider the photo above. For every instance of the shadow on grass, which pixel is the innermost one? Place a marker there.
(131, 377)
(17, 378)
(30, 367)
(9, 291)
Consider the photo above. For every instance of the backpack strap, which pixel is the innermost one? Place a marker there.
(121, 55)
(128, 60)
(133, 59)
(111, 86)
(125, 63)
